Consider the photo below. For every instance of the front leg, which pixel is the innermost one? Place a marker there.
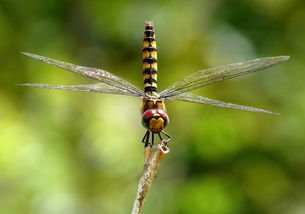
(145, 139)
(167, 135)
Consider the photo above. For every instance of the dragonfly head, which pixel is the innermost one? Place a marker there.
(155, 120)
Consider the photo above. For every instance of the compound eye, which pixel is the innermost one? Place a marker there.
(149, 113)
(162, 113)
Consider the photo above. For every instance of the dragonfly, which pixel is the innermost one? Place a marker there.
(154, 114)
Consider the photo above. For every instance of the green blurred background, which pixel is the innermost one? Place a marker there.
(72, 152)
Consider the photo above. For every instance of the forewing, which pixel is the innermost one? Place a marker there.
(217, 74)
(193, 98)
(94, 88)
(94, 73)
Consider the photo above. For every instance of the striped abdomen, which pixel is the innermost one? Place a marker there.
(149, 59)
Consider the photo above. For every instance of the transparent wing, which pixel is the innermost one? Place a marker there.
(193, 98)
(94, 73)
(97, 88)
(217, 74)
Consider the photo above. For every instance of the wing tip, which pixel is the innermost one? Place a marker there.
(273, 113)
(284, 58)
(22, 84)
(26, 53)
(34, 56)
(31, 85)
(279, 59)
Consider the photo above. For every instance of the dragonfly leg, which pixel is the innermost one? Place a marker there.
(167, 135)
(145, 139)
(152, 138)
(145, 136)
(160, 136)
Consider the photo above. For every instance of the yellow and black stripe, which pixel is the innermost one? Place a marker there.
(149, 59)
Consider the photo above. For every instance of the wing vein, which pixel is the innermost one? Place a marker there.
(213, 75)
(93, 73)
(193, 98)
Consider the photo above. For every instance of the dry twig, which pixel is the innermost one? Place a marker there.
(153, 157)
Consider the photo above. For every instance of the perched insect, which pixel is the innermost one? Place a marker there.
(154, 115)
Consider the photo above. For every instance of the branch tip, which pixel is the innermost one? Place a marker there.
(153, 157)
